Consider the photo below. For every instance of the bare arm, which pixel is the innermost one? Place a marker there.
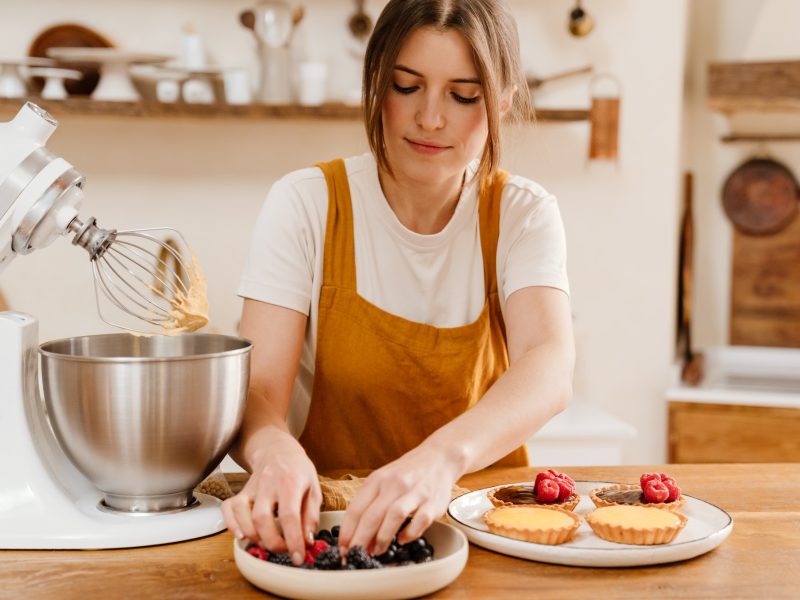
(283, 477)
(537, 386)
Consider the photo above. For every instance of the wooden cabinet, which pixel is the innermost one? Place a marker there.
(727, 433)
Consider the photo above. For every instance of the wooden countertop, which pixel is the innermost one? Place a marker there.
(759, 560)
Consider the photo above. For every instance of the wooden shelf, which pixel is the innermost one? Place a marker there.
(329, 111)
(734, 138)
(754, 86)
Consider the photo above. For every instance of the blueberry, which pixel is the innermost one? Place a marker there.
(325, 536)
(335, 531)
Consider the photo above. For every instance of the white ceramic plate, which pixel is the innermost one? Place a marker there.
(706, 529)
(391, 583)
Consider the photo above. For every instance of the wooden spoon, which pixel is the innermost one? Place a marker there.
(536, 82)
(297, 16)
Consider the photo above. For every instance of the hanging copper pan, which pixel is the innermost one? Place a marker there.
(760, 197)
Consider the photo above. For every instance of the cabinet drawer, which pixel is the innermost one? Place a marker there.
(725, 433)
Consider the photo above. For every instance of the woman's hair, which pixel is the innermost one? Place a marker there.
(490, 30)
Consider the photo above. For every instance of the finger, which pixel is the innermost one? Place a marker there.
(310, 511)
(289, 503)
(263, 516)
(240, 509)
(230, 519)
(369, 522)
(424, 516)
(392, 520)
(363, 498)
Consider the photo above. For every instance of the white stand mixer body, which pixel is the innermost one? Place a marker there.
(45, 502)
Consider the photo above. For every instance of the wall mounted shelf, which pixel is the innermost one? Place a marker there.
(329, 111)
(755, 87)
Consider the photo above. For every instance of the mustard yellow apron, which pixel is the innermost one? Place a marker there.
(382, 383)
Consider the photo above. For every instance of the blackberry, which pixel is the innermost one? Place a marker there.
(361, 559)
(325, 535)
(280, 559)
(329, 560)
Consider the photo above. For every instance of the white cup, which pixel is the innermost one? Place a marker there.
(168, 90)
(312, 80)
(198, 91)
(237, 87)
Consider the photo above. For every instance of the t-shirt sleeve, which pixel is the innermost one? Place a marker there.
(280, 265)
(532, 249)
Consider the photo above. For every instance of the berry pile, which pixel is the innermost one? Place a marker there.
(659, 487)
(324, 555)
(552, 486)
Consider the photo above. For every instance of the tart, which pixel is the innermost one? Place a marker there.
(629, 495)
(631, 524)
(525, 495)
(539, 524)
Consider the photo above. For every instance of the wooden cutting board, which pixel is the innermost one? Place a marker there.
(765, 289)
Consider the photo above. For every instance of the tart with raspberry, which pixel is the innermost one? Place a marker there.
(634, 524)
(551, 488)
(540, 524)
(655, 490)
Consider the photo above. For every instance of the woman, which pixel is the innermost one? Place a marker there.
(387, 294)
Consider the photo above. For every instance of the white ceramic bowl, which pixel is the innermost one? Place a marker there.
(391, 583)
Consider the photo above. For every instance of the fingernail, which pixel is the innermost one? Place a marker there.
(310, 536)
(297, 558)
(239, 535)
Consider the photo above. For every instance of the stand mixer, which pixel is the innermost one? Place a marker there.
(106, 454)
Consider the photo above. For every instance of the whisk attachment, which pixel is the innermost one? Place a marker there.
(147, 274)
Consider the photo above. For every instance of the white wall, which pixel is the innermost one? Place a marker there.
(208, 178)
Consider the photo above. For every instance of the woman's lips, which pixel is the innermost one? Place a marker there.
(427, 148)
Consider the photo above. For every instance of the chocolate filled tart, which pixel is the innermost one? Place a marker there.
(631, 495)
(522, 495)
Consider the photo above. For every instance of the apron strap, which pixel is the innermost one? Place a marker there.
(339, 260)
(489, 217)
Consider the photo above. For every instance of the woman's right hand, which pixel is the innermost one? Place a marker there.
(284, 484)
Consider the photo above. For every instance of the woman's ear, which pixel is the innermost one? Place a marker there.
(506, 100)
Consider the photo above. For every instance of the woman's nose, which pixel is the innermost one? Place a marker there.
(430, 113)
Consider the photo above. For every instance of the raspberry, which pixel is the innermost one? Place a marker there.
(547, 490)
(565, 489)
(257, 551)
(672, 487)
(318, 547)
(563, 476)
(664, 476)
(655, 491)
(541, 476)
(647, 477)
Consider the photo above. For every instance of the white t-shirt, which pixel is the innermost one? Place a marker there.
(435, 279)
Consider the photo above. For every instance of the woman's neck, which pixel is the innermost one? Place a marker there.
(421, 208)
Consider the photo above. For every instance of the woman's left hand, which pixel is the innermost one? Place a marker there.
(417, 484)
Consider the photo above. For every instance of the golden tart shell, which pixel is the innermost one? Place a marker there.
(640, 536)
(600, 502)
(568, 504)
(551, 536)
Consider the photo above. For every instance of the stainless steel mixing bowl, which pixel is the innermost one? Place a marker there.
(145, 419)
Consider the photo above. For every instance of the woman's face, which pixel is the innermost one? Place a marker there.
(434, 117)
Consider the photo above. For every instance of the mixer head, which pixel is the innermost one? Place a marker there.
(148, 276)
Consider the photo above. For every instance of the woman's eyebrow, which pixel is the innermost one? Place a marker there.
(411, 71)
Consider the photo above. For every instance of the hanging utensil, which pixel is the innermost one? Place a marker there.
(581, 23)
(760, 196)
(536, 82)
(693, 362)
(604, 119)
(298, 13)
(360, 24)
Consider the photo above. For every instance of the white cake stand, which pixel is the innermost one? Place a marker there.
(12, 84)
(54, 80)
(115, 83)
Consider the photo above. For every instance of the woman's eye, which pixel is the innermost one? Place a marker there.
(464, 100)
(403, 90)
